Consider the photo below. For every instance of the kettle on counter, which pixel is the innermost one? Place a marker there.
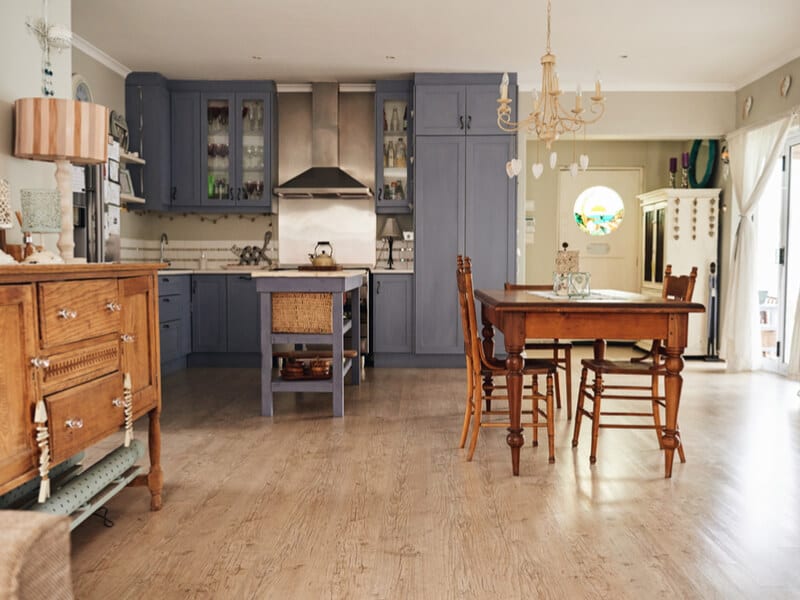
(322, 255)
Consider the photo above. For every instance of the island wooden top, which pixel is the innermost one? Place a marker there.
(343, 274)
(23, 273)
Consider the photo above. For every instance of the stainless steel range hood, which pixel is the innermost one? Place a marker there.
(324, 179)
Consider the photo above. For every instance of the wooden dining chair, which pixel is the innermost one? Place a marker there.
(650, 366)
(478, 365)
(561, 351)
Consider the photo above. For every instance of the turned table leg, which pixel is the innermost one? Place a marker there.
(515, 342)
(672, 392)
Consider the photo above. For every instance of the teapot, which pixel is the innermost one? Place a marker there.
(321, 257)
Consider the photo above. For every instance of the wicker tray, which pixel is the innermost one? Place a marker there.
(302, 312)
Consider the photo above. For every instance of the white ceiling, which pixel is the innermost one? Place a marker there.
(670, 44)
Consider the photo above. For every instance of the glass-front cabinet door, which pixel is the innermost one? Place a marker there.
(654, 221)
(253, 149)
(394, 157)
(218, 126)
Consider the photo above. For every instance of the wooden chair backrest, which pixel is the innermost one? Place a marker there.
(462, 304)
(678, 287)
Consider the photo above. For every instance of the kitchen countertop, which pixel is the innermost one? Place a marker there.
(275, 273)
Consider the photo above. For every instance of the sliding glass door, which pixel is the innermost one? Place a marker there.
(778, 261)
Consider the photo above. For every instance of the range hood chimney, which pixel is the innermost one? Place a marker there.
(324, 179)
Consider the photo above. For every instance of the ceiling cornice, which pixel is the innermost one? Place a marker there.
(768, 68)
(104, 59)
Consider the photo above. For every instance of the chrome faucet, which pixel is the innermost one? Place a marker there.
(164, 242)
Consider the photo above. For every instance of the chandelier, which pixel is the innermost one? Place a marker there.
(549, 119)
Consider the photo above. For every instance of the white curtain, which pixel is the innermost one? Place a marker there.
(753, 155)
(794, 355)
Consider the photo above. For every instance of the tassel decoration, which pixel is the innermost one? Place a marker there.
(43, 441)
(127, 395)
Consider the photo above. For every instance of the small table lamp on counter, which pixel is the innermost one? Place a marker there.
(62, 131)
(41, 213)
(391, 232)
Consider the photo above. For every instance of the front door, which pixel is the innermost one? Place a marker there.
(613, 259)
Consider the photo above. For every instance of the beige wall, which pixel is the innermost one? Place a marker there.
(108, 87)
(768, 104)
(542, 194)
(21, 77)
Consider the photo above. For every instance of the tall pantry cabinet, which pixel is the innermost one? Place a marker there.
(464, 201)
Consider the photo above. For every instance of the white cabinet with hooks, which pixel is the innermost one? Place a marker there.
(680, 227)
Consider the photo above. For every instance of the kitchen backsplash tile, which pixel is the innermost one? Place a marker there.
(186, 253)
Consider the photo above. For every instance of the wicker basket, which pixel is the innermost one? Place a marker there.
(302, 312)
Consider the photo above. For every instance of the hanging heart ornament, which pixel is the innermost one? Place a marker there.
(537, 169)
(584, 161)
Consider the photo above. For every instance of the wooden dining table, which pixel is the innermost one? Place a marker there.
(600, 316)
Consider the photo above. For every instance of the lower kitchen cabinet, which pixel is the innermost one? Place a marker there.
(392, 313)
(174, 320)
(244, 333)
(225, 321)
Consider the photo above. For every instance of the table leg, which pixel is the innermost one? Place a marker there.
(355, 331)
(155, 479)
(515, 342)
(673, 381)
(337, 351)
(487, 333)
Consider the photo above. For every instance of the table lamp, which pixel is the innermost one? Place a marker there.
(41, 213)
(62, 131)
(6, 221)
(391, 232)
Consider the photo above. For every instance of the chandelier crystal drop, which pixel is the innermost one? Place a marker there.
(549, 120)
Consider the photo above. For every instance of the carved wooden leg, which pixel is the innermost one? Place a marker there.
(597, 389)
(476, 421)
(672, 385)
(656, 409)
(155, 480)
(535, 409)
(488, 349)
(579, 408)
(558, 379)
(551, 431)
(514, 334)
(567, 378)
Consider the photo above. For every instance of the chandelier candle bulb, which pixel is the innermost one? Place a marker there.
(504, 87)
(673, 165)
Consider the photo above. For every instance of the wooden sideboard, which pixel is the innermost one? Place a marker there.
(68, 334)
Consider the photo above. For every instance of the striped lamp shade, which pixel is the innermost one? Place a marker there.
(61, 129)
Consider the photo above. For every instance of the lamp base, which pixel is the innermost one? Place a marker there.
(66, 240)
(390, 262)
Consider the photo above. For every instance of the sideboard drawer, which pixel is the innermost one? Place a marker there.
(78, 365)
(83, 415)
(70, 311)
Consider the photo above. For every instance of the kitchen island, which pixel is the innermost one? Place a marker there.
(307, 307)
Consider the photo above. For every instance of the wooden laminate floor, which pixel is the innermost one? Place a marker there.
(382, 504)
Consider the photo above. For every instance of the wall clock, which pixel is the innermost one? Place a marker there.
(747, 107)
(786, 83)
(80, 89)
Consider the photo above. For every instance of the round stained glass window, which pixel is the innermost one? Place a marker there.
(599, 210)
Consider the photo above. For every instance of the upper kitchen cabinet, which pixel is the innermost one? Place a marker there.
(214, 143)
(147, 111)
(393, 146)
(449, 104)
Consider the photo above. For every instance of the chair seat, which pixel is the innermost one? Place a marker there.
(621, 367)
(532, 366)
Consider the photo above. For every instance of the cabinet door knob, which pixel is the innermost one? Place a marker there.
(74, 423)
(113, 307)
(67, 314)
(461, 122)
(380, 193)
(378, 289)
(127, 338)
(117, 402)
(469, 121)
(40, 363)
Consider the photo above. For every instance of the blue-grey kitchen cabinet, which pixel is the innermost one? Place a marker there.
(453, 104)
(242, 314)
(392, 313)
(174, 319)
(465, 204)
(394, 156)
(236, 138)
(209, 313)
(147, 111)
(184, 156)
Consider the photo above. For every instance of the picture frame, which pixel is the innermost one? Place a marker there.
(125, 182)
(113, 170)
